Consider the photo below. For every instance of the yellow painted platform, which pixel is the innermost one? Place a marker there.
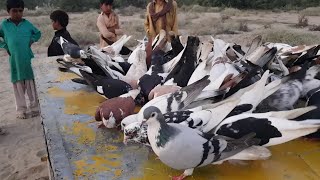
(296, 160)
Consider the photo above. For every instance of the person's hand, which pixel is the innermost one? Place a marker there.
(110, 35)
(31, 42)
(118, 32)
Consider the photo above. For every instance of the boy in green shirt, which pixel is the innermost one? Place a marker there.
(18, 35)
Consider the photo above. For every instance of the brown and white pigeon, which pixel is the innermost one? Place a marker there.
(113, 111)
(162, 90)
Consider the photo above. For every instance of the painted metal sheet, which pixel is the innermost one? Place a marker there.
(79, 150)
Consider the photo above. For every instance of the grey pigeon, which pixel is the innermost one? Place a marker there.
(183, 148)
(71, 49)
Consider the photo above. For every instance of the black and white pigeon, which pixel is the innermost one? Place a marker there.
(70, 49)
(272, 128)
(313, 99)
(198, 118)
(106, 63)
(183, 148)
(73, 68)
(187, 65)
(157, 73)
(109, 88)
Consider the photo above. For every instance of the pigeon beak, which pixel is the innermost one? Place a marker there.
(143, 122)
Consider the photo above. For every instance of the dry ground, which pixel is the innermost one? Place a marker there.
(18, 149)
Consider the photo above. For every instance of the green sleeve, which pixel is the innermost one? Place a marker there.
(36, 34)
(2, 43)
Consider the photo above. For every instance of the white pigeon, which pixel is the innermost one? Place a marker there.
(132, 58)
(137, 69)
(116, 47)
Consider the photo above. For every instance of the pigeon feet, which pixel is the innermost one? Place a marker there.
(186, 173)
(101, 126)
(179, 177)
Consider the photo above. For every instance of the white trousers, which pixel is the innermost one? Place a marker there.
(21, 88)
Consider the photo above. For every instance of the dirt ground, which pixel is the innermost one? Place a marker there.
(23, 144)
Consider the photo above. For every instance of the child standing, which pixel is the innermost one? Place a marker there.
(18, 35)
(108, 24)
(60, 21)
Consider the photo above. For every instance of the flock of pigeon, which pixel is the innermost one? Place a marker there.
(203, 102)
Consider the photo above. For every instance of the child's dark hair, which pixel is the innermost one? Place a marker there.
(14, 4)
(106, 2)
(60, 16)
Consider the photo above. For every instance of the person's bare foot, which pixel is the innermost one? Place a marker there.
(35, 113)
(21, 115)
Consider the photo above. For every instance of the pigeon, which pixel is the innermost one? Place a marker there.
(312, 100)
(70, 49)
(96, 69)
(198, 118)
(289, 93)
(135, 132)
(269, 129)
(117, 46)
(204, 64)
(178, 100)
(105, 62)
(162, 90)
(132, 58)
(183, 148)
(157, 74)
(113, 111)
(129, 120)
(70, 67)
(187, 65)
(137, 69)
(109, 88)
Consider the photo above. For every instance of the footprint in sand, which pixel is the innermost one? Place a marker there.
(6, 170)
(30, 173)
(43, 178)
(43, 155)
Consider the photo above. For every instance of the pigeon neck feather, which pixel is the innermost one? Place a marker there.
(164, 132)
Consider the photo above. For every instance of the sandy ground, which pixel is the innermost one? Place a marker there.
(24, 142)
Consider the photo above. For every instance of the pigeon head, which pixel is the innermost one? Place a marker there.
(140, 99)
(108, 119)
(128, 120)
(152, 114)
(83, 54)
(57, 39)
(136, 132)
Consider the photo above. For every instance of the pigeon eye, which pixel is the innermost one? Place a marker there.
(153, 115)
